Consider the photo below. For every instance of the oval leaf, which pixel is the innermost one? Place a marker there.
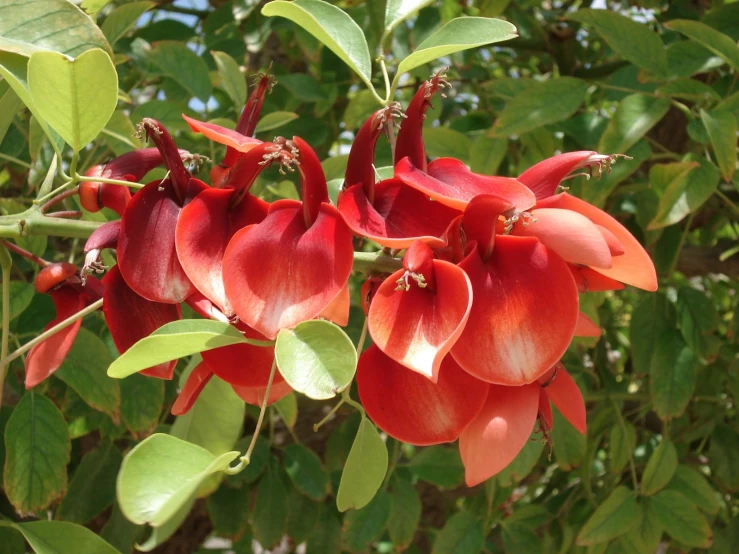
(363, 527)
(693, 486)
(634, 116)
(306, 472)
(62, 537)
(681, 519)
(176, 61)
(716, 42)
(462, 534)
(617, 515)
(364, 470)
(269, 517)
(722, 127)
(660, 468)
(122, 19)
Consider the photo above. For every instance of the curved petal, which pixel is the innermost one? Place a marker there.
(279, 273)
(566, 396)
(412, 409)
(589, 280)
(146, 248)
(255, 397)
(222, 135)
(417, 327)
(46, 357)
(523, 315)
(571, 235)
(586, 327)
(131, 317)
(204, 229)
(451, 183)
(634, 267)
(338, 310)
(194, 385)
(544, 177)
(499, 432)
(105, 236)
(204, 307)
(614, 245)
(400, 215)
(243, 365)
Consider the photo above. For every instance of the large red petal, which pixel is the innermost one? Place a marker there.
(418, 327)
(544, 177)
(634, 267)
(222, 135)
(589, 280)
(399, 216)
(523, 314)
(146, 248)
(571, 235)
(243, 365)
(131, 317)
(255, 397)
(204, 229)
(194, 385)
(279, 273)
(411, 408)
(46, 357)
(566, 395)
(499, 432)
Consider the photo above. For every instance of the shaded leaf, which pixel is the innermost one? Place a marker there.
(672, 375)
(122, 19)
(660, 468)
(141, 403)
(306, 472)
(269, 517)
(405, 513)
(364, 526)
(722, 129)
(693, 486)
(681, 519)
(462, 534)
(439, 466)
(716, 42)
(615, 516)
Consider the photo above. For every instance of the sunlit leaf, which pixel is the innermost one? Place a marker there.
(364, 470)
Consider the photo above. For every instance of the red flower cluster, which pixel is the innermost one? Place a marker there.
(468, 335)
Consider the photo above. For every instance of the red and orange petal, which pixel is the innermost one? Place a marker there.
(54, 275)
(194, 385)
(566, 396)
(544, 177)
(586, 327)
(412, 409)
(634, 267)
(255, 397)
(204, 228)
(279, 273)
(146, 248)
(418, 327)
(589, 280)
(499, 431)
(131, 317)
(46, 357)
(451, 183)
(222, 135)
(399, 216)
(524, 312)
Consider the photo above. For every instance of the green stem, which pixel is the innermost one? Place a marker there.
(129, 184)
(622, 424)
(15, 161)
(388, 98)
(317, 426)
(5, 263)
(684, 235)
(727, 201)
(376, 261)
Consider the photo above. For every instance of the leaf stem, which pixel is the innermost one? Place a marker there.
(129, 184)
(58, 198)
(15, 161)
(317, 426)
(385, 76)
(5, 263)
(24, 253)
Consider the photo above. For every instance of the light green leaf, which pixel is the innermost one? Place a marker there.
(306, 472)
(119, 134)
(21, 295)
(722, 127)
(689, 89)
(330, 25)
(76, 97)
(660, 468)
(61, 537)
(439, 466)
(362, 527)
(175, 340)
(633, 118)
(275, 120)
(398, 10)
(161, 474)
(123, 18)
(287, 407)
(635, 41)
(405, 513)
(487, 154)
(10, 103)
(27, 23)
(175, 60)
(716, 42)
(316, 358)
(672, 375)
(693, 486)
(37, 449)
(364, 470)
(232, 79)
(162, 533)
(462, 534)
(459, 34)
(269, 517)
(92, 7)
(614, 517)
(443, 142)
(540, 104)
(681, 519)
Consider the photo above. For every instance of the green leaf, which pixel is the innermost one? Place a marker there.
(681, 519)
(228, 509)
(569, 443)
(660, 468)
(120, 532)
(92, 7)
(306, 472)
(698, 317)
(462, 534)
(56, 25)
(141, 403)
(615, 516)
(439, 466)
(405, 513)
(257, 463)
(92, 488)
(316, 358)
(672, 375)
(634, 117)
(302, 517)
(326, 537)
(119, 134)
(634, 41)
(650, 319)
(689, 89)
(287, 408)
(522, 465)
(362, 527)
(722, 128)
(161, 474)
(723, 456)
(518, 537)
(84, 370)
(331, 26)
(161, 534)
(10, 104)
(166, 112)
(232, 79)
(122, 19)
(75, 97)
(716, 42)
(175, 60)
(37, 449)
(458, 34)
(487, 154)
(269, 517)
(21, 295)
(693, 486)
(686, 58)
(398, 10)
(61, 537)
(275, 120)
(645, 536)
(621, 445)
(365, 469)
(540, 104)
(443, 142)
(175, 340)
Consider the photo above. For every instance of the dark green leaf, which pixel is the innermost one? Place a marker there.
(122, 19)
(693, 486)
(621, 445)
(303, 514)
(689, 89)
(569, 443)
(228, 509)
(635, 115)
(697, 316)
(257, 463)
(716, 42)
(614, 517)
(645, 536)
(326, 537)
(232, 80)
(176, 61)
(686, 58)
(651, 318)
(166, 112)
(723, 456)
(722, 128)
(660, 468)
(672, 375)
(304, 468)
(405, 513)
(439, 466)
(269, 517)
(462, 534)
(120, 532)
(681, 519)
(365, 468)
(141, 403)
(21, 295)
(518, 537)
(362, 527)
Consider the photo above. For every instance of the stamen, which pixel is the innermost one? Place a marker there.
(524, 217)
(93, 264)
(603, 162)
(403, 283)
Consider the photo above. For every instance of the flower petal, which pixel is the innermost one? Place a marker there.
(566, 396)
(634, 267)
(194, 385)
(412, 409)
(614, 245)
(255, 397)
(544, 177)
(131, 317)
(499, 432)
(523, 315)
(222, 135)
(589, 280)
(338, 310)
(279, 273)
(586, 327)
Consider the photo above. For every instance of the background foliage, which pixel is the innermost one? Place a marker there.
(660, 463)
